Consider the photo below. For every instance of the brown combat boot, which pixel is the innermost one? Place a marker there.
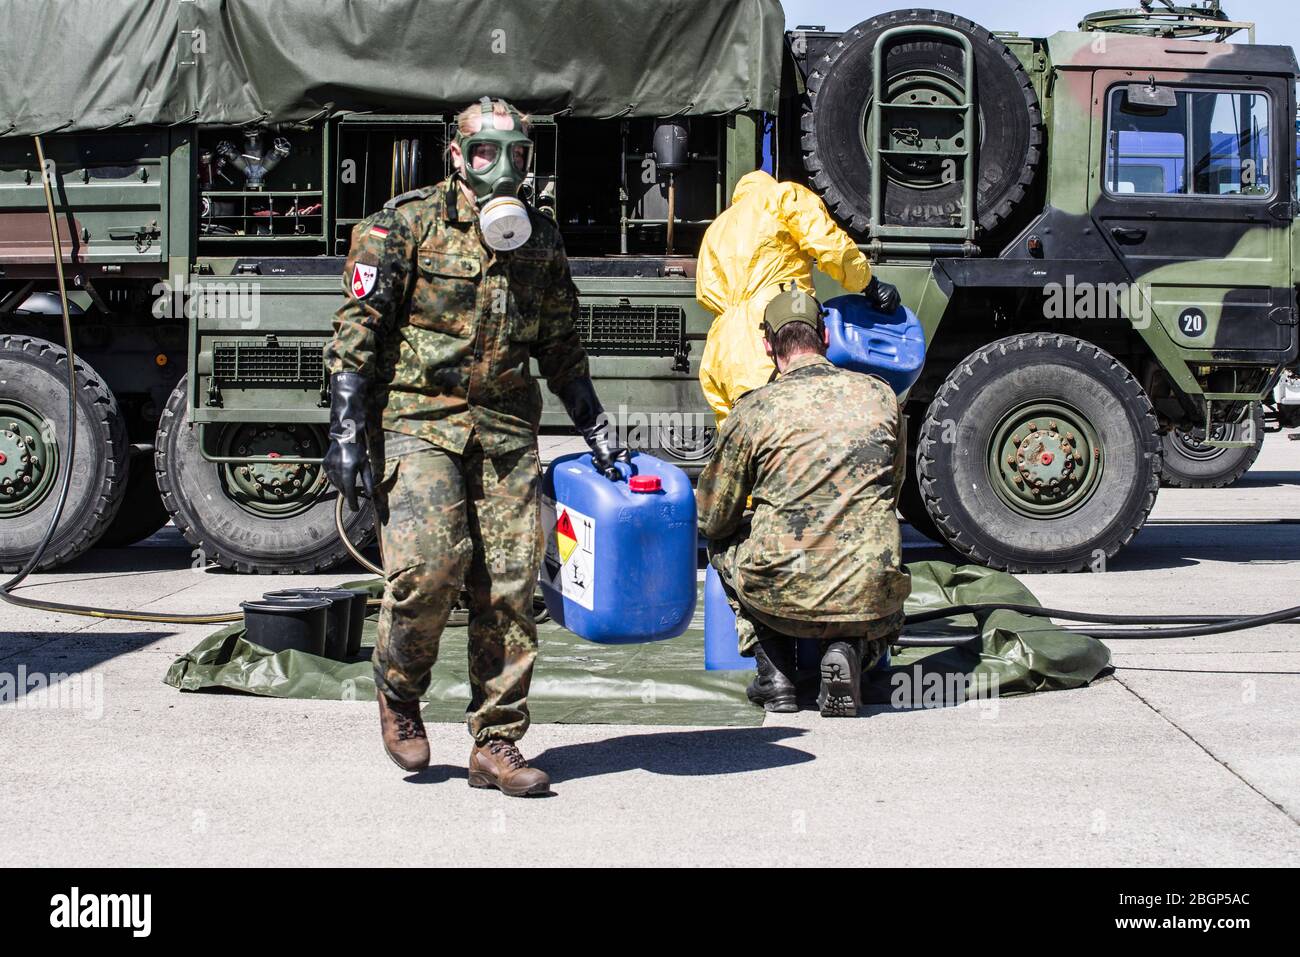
(403, 732)
(498, 764)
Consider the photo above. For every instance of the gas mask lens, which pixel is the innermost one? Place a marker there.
(521, 156)
(482, 156)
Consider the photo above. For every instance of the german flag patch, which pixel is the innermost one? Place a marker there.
(379, 232)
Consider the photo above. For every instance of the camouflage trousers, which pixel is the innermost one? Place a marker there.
(448, 520)
(753, 625)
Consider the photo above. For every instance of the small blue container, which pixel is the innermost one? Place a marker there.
(620, 560)
(864, 340)
(720, 637)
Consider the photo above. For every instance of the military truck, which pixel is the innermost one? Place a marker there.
(1097, 230)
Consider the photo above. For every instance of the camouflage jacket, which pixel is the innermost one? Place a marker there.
(822, 452)
(445, 327)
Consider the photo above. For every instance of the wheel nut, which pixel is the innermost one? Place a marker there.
(1051, 426)
(1016, 438)
(1033, 426)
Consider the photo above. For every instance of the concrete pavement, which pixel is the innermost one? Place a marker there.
(1187, 756)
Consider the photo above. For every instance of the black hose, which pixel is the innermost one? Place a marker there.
(66, 484)
(1202, 624)
(1040, 612)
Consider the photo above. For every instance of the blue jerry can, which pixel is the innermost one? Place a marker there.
(620, 559)
(720, 640)
(864, 340)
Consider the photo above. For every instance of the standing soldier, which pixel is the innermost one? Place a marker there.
(450, 291)
(821, 454)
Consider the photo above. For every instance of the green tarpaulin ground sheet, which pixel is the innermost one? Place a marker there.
(664, 683)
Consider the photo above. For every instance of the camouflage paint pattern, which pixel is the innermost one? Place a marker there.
(821, 452)
(467, 518)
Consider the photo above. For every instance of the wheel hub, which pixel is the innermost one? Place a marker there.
(265, 488)
(1047, 462)
(28, 462)
(1192, 443)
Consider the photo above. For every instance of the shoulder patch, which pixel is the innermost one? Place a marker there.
(423, 193)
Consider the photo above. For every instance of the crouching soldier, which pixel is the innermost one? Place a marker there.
(451, 290)
(820, 452)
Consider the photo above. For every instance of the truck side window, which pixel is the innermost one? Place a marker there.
(1213, 143)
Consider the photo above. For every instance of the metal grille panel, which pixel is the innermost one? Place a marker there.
(255, 362)
(632, 330)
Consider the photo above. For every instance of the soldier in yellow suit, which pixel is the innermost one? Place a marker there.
(771, 236)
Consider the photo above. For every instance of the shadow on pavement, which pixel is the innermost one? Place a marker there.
(1267, 480)
(1176, 546)
(34, 670)
(676, 753)
(1163, 546)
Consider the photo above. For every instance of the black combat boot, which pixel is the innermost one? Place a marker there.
(773, 686)
(840, 694)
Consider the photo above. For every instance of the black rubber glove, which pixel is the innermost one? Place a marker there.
(347, 459)
(883, 296)
(580, 401)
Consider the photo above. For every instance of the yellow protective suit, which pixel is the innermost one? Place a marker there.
(772, 234)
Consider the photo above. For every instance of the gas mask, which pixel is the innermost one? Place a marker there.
(495, 164)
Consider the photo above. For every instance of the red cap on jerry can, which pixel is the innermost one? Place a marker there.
(645, 483)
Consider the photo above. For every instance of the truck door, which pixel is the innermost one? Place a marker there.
(1192, 189)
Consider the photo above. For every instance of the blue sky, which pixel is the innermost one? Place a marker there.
(1277, 20)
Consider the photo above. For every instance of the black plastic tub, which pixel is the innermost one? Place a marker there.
(339, 621)
(357, 623)
(287, 624)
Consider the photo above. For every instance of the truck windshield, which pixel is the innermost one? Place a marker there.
(1212, 143)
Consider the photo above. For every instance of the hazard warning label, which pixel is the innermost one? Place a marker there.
(569, 564)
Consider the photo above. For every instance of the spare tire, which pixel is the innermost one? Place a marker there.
(920, 191)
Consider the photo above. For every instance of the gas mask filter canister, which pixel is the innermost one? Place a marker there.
(505, 223)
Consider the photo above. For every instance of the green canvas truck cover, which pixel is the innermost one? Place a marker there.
(84, 65)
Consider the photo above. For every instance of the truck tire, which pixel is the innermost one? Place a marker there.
(1190, 464)
(142, 512)
(911, 504)
(841, 87)
(34, 427)
(214, 509)
(1040, 453)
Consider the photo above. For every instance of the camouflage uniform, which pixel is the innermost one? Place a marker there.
(444, 328)
(822, 453)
